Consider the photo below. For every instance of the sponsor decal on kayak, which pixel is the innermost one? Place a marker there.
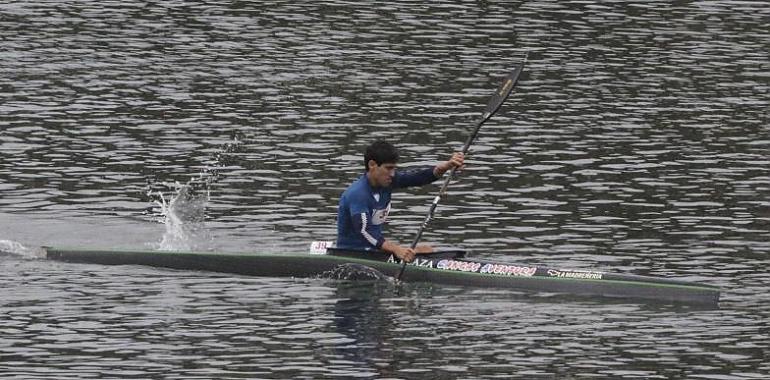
(510, 270)
(501, 269)
(575, 274)
(462, 266)
(470, 266)
(417, 262)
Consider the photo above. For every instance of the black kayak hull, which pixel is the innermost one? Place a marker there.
(442, 268)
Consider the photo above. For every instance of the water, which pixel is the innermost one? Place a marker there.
(636, 141)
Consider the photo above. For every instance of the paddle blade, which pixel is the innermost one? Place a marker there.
(502, 93)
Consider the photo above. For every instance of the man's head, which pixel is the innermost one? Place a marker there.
(380, 161)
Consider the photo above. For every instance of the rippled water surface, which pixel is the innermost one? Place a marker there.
(636, 141)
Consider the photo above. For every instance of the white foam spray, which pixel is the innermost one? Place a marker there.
(184, 217)
(14, 248)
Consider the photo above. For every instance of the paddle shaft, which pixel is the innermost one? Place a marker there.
(442, 191)
(494, 104)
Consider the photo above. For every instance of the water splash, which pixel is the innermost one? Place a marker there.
(355, 272)
(184, 216)
(14, 248)
(184, 213)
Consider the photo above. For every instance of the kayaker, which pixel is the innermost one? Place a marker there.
(364, 206)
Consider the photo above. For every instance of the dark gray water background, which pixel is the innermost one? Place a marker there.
(637, 141)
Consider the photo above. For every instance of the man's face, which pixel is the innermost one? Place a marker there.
(382, 175)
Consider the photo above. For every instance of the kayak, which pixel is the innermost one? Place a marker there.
(445, 267)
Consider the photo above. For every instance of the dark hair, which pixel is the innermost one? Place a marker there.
(382, 152)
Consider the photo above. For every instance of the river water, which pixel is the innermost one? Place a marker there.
(636, 142)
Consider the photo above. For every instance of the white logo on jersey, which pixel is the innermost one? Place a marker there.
(380, 216)
(376, 197)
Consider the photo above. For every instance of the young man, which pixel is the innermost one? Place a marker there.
(365, 205)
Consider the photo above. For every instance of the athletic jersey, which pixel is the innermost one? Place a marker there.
(364, 209)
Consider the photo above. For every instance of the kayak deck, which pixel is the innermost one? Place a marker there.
(442, 268)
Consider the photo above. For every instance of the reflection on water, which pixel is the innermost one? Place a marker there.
(636, 141)
(359, 314)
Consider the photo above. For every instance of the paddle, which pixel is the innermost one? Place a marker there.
(494, 104)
